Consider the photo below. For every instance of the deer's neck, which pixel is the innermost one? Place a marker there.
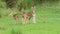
(33, 11)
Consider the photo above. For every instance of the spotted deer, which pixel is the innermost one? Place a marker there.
(28, 16)
(24, 16)
(15, 16)
(32, 15)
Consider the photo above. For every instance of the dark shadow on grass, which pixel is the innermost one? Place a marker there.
(2, 28)
(15, 32)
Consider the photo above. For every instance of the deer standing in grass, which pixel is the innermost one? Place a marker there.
(15, 16)
(28, 16)
(32, 14)
(24, 16)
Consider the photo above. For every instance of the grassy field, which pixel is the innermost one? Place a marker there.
(47, 22)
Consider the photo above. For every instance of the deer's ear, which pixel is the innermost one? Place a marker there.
(22, 10)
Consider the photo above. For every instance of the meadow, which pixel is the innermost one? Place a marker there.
(47, 21)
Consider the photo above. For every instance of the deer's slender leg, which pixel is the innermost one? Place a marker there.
(23, 20)
(16, 20)
(33, 18)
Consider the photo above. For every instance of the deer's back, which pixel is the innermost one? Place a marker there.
(15, 16)
(30, 14)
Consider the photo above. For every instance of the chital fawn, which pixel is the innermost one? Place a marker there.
(31, 15)
(15, 16)
(28, 16)
(24, 16)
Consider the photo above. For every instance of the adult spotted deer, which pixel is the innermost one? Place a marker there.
(15, 16)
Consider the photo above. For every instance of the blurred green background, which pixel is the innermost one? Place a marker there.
(47, 17)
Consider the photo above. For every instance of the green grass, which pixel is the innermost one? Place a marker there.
(47, 22)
